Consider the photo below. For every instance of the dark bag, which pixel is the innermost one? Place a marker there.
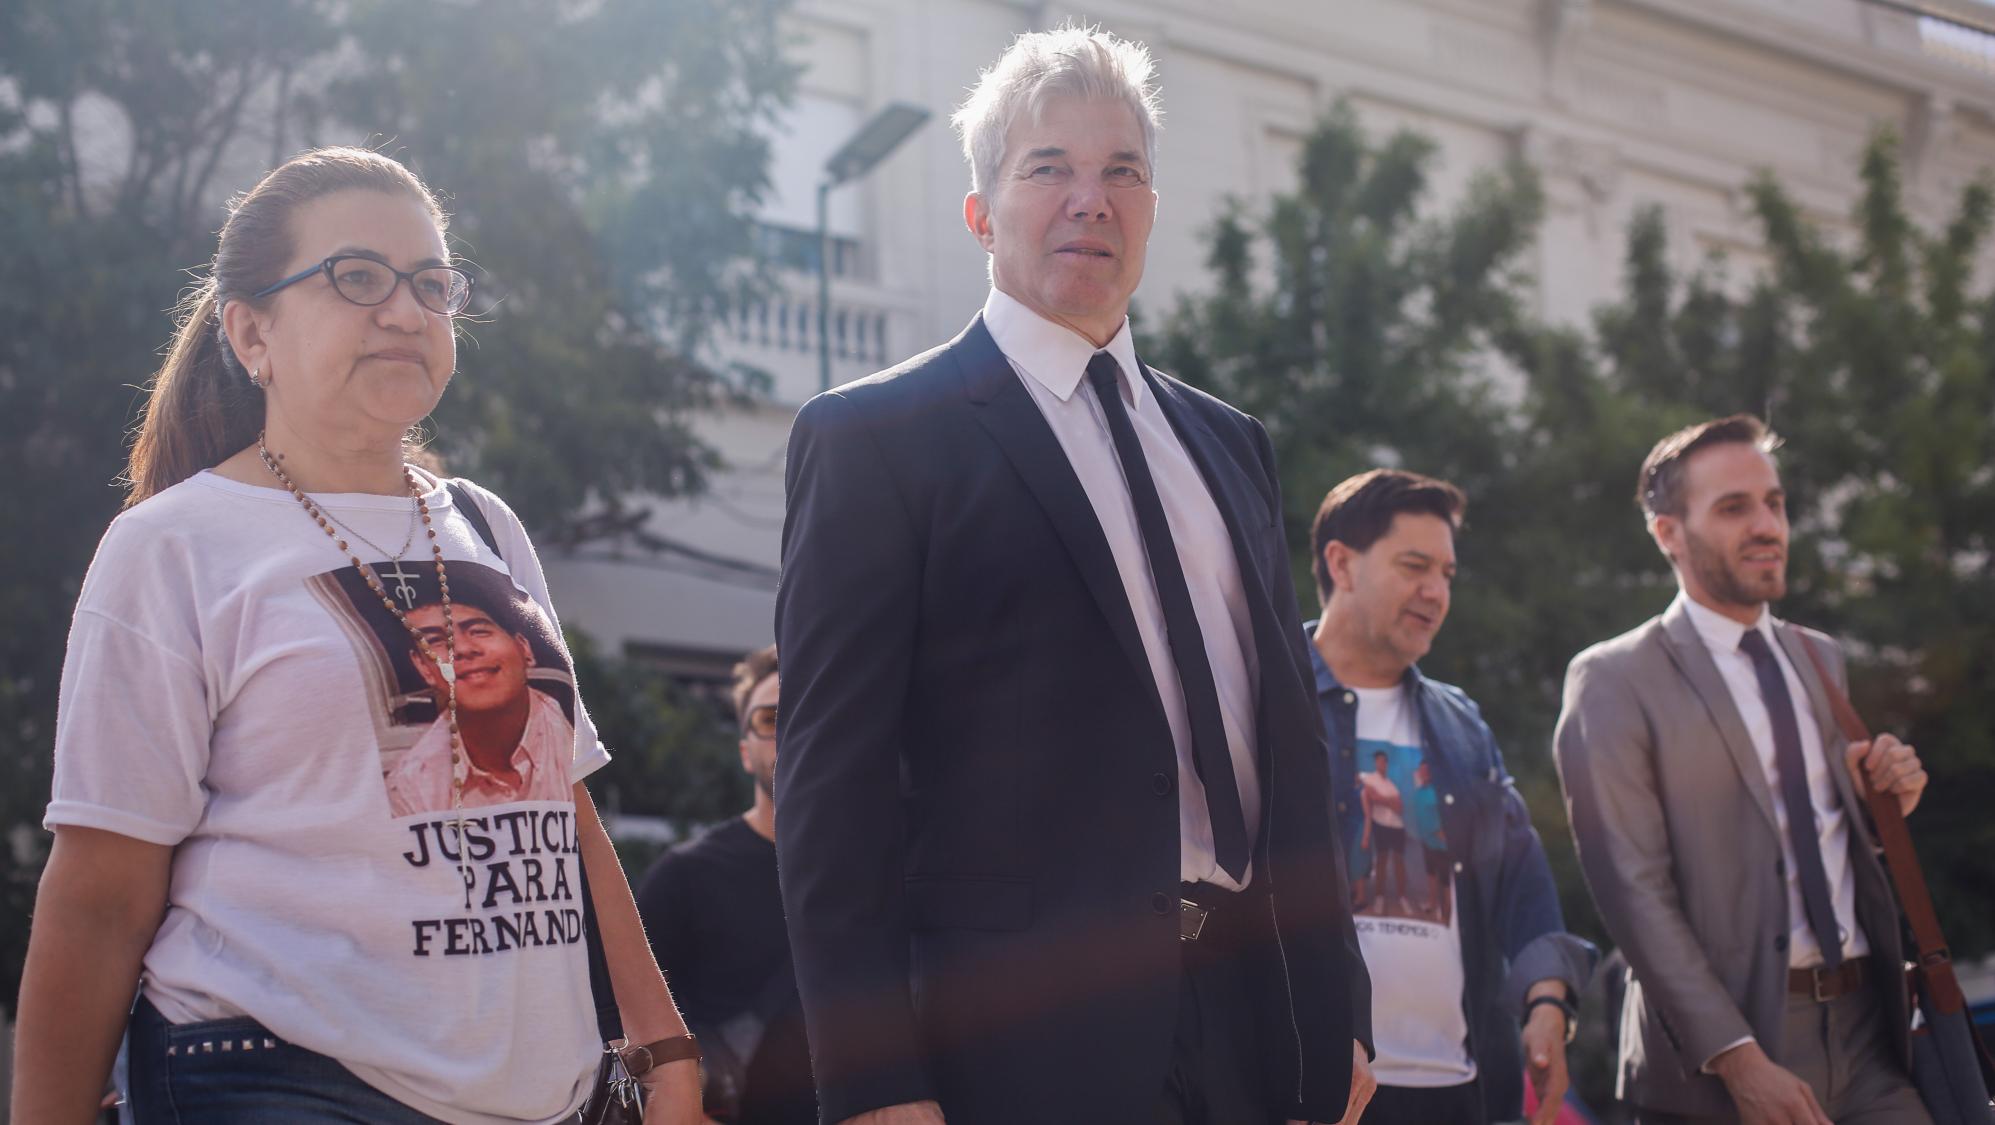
(615, 1098)
(728, 1049)
(1951, 1067)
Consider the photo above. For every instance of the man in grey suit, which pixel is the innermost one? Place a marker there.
(1719, 822)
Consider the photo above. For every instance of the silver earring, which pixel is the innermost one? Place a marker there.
(253, 373)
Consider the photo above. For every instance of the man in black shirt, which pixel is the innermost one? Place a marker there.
(715, 918)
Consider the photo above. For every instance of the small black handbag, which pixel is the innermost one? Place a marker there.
(616, 1098)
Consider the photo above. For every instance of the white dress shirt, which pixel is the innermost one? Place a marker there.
(1051, 361)
(1721, 635)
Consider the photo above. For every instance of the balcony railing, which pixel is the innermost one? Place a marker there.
(789, 324)
(780, 337)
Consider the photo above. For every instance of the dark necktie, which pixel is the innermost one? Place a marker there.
(1801, 828)
(1208, 733)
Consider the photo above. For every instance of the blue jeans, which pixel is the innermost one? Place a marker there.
(234, 1072)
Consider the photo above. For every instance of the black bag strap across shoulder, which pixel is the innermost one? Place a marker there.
(463, 501)
(609, 1021)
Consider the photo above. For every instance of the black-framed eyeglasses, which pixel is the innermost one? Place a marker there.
(367, 282)
(761, 721)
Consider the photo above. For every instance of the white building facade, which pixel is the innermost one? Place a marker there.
(1618, 104)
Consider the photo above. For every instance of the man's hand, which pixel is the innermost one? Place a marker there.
(1886, 765)
(1765, 1092)
(1545, 1052)
(1363, 1085)
(910, 1113)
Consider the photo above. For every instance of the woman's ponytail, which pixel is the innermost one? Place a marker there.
(202, 408)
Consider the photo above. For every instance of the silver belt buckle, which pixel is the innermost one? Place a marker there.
(1191, 919)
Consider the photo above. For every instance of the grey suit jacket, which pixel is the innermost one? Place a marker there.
(1674, 822)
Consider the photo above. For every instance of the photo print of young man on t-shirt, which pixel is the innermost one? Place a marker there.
(1401, 864)
(1403, 896)
(515, 686)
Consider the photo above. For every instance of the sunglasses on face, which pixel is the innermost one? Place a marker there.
(761, 721)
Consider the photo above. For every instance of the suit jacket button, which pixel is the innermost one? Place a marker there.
(1780, 944)
(1160, 784)
(1160, 902)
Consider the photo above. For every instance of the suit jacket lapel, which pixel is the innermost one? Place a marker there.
(1687, 650)
(1833, 742)
(1006, 411)
(1224, 477)
(1230, 484)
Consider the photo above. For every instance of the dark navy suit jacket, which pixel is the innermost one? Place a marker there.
(978, 833)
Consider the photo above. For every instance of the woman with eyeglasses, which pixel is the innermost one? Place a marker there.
(320, 832)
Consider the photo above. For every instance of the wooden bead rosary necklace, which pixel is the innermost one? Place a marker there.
(446, 665)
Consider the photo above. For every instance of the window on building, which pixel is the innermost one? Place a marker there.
(800, 142)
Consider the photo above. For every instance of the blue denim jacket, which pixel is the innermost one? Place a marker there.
(1513, 933)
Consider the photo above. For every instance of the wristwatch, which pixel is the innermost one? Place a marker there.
(639, 1059)
(1564, 1005)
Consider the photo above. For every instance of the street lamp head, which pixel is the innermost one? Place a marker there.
(878, 137)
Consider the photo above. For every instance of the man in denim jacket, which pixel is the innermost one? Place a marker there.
(1454, 901)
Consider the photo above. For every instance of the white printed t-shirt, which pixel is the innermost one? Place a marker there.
(232, 690)
(1408, 926)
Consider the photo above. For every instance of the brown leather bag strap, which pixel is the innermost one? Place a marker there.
(1935, 962)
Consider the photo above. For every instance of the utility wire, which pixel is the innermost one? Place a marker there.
(693, 564)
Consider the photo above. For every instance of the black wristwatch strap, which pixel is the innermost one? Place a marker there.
(1563, 1005)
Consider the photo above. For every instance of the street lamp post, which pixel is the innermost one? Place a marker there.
(824, 285)
(879, 136)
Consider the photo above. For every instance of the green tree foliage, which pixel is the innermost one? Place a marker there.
(676, 752)
(601, 160)
(1363, 333)
(602, 167)
(1341, 303)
